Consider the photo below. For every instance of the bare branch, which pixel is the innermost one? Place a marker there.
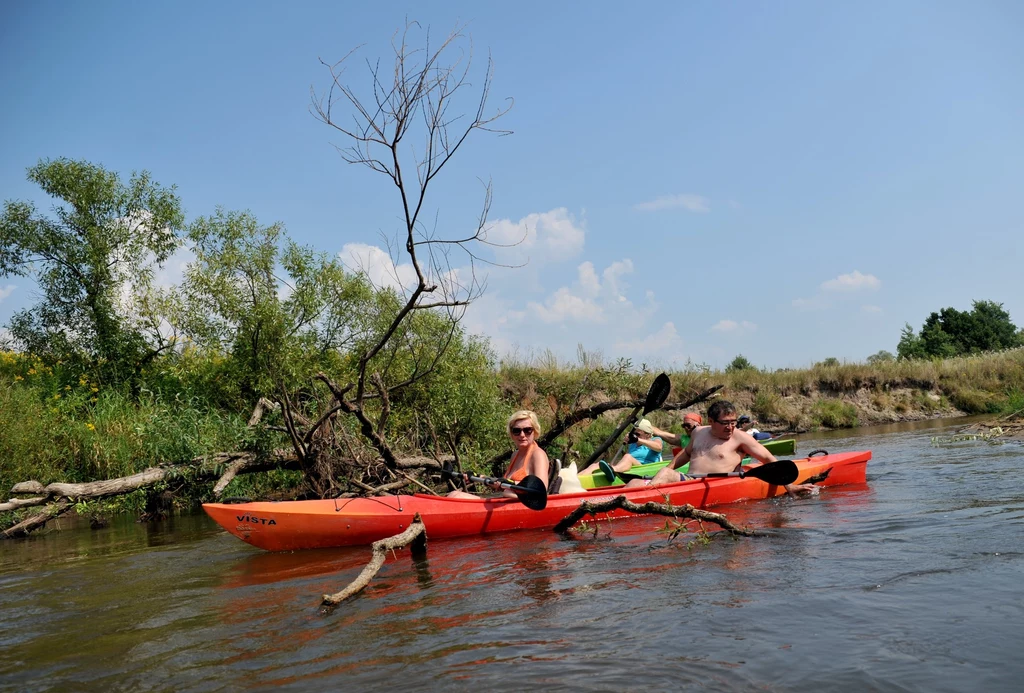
(651, 508)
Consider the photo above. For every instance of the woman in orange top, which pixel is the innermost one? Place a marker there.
(523, 428)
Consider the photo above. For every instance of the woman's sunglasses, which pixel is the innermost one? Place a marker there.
(528, 430)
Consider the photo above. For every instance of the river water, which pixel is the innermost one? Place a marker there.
(911, 582)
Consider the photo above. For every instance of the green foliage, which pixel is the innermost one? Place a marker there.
(740, 363)
(973, 401)
(950, 332)
(882, 356)
(280, 310)
(93, 261)
(79, 435)
(833, 413)
(830, 362)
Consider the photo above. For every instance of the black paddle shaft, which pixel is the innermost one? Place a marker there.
(656, 397)
(777, 473)
(531, 491)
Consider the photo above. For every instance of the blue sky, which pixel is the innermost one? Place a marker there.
(789, 181)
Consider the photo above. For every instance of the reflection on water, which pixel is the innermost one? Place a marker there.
(910, 582)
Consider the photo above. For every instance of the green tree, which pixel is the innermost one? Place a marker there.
(282, 311)
(93, 261)
(910, 345)
(740, 363)
(950, 332)
(882, 356)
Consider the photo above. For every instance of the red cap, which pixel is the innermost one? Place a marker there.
(694, 417)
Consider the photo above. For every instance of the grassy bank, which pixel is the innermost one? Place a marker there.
(59, 426)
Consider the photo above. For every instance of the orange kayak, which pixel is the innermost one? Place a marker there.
(291, 525)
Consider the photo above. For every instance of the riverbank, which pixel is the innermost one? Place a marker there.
(61, 430)
(831, 396)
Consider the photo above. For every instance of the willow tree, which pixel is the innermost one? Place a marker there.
(93, 260)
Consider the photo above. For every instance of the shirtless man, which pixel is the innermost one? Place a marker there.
(719, 447)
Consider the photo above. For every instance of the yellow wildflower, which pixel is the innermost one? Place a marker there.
(90, 426)
(67, 387)
(94, 388)
(31, 371)
(57, 396)
(18, 377)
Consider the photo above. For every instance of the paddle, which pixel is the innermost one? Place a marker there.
(656, 397)
(779, 473)
(531, 491)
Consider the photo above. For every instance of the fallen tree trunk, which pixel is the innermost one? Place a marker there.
(16, 503)
(651, 508)
(199, 469)
(415, 534)
(38, 520)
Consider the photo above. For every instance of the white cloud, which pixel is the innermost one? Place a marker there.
(871, 309)
(664, 342)
(807, 304)
(378, 266)
(855, 281)
(173, 271)
(545, 236)
(732, 327)
(6, 291)
(564, 306)
(589, 300)
(688, 201)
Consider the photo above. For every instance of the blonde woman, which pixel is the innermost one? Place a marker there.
(523, 428)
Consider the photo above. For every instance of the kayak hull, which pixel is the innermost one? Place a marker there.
(292, 525)
(781, 447)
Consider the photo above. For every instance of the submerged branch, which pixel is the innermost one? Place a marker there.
(38, 520)
(651, 508)
(415, 534)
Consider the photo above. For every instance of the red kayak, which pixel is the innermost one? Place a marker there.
(291, 525)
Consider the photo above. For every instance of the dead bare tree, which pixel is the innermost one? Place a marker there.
(407, 128)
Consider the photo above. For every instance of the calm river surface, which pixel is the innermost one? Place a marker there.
(912, 582)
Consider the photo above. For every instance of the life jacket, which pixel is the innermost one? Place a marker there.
(520, 473)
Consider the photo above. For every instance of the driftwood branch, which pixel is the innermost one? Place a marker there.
(15, 503)
(414, 534)
(262, 407)
(651, 508)
(38, 520)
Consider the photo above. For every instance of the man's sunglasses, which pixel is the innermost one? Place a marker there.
(729, 422)
(528, 430)
(689, 427)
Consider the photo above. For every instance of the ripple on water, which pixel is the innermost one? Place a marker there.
(910, 582)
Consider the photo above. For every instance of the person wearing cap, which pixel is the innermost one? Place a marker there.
(745, 423)
(644, 447)
(679, 440)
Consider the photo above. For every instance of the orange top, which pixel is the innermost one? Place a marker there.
(519, 474)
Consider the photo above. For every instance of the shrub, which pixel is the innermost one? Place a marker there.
(834, 413)
(973, 401)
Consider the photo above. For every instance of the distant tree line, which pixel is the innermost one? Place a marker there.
(951, 332)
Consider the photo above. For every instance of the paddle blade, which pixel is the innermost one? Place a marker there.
(532, 492)
(658, 393)
(779, 473)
